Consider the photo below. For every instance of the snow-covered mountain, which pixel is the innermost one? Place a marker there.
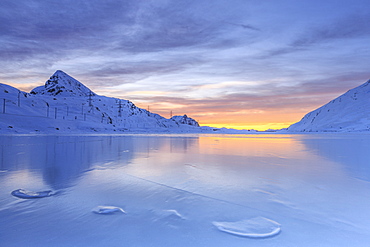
(348, 112)
(64, 104)
(185, 120)
(63, 85)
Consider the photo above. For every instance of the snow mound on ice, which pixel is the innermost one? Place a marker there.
(258, 227)
(24, 194)
(107, 210)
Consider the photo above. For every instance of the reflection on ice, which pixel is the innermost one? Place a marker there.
(258, 227)
(351, 151)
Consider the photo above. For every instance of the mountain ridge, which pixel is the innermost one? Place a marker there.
(65, 104)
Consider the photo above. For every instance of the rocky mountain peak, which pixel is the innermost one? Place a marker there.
(60, 83)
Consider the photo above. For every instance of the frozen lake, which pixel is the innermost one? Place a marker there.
(190, 190)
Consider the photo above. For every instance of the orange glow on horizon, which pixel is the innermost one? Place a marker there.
(246, 126)
(267, 120)
(25, 87)
(258, 119)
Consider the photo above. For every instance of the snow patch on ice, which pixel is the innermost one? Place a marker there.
(258, 227)
(107, 210)
(25, 194)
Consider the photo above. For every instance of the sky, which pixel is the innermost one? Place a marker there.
(245, 64)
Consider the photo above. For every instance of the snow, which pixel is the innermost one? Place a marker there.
(107, 210)
(348, 112)
(186, 190)
(185, 120)
(24, 194)
(258, 227)
(65, 105)
(61, 84)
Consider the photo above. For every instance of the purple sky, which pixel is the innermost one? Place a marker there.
(254, 62)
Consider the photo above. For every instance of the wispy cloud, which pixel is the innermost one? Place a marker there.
(346, 28)
(351, 27)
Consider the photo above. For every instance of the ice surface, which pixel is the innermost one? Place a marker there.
(173, 187)
(258, 227)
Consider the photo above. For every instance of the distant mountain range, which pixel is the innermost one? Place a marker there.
(64, 104)
(348, 112)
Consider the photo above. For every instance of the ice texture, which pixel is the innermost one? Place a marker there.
(258, 227)
(172, 213)
(169, 214)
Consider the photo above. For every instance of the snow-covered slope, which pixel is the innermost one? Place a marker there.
(348, 112)
(64, 104)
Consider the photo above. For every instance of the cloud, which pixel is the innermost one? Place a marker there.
(128, 26)
(144, 68)
(57, 26)
(108, 38)
(68, 19)
(244, 26)
(300, 98)
(345, 28)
